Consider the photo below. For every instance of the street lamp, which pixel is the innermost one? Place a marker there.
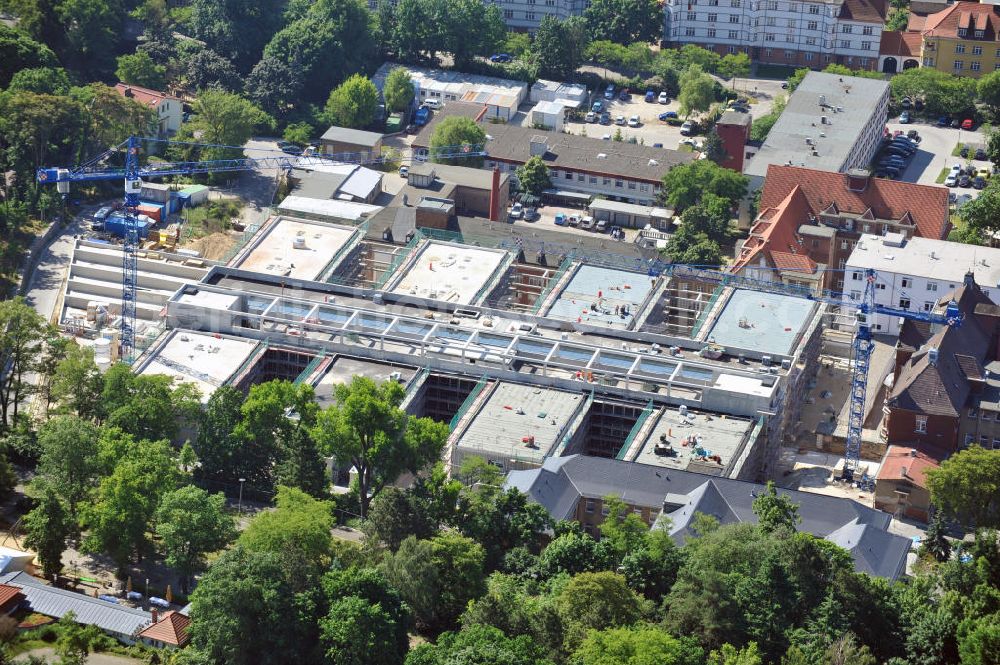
(147, 587)
(242, 480)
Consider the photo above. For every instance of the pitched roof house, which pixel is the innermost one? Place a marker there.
(170, 630)
(169, 109)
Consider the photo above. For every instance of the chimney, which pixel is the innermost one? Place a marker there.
(128, 91)
(156, 615)
(539, 145)
(969, 279)
(857, 180)
(903, 471)
(913, 452)
(495, 196)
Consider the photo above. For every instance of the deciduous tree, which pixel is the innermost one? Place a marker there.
(534, 176)
(139, 69)
(68, 463)
(22, 334)
(353, 103)
(967, 486)
(625, 21)
(47, 527)
(298, 530)
(367, 621)
(19, 51)
(454, 136)
(191, 523)
(697, 91)
(625, 646)
(398, 89)
(479, 645)
(559, 46)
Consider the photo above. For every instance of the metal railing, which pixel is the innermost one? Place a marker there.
(703, 317)
(469, 401)
(636, 428)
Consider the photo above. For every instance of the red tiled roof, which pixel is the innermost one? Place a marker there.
(774, 231)
(9, 593)
(903, 44)
(915, 23)
(793, 262)
(171, 629)
(915, 460)
(864, 11)
(143, 95)
(927, 205)
(968, 15)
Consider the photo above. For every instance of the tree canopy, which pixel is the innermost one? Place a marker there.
(967, 486)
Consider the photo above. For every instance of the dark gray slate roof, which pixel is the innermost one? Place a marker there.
(561, 481)
(54, 602)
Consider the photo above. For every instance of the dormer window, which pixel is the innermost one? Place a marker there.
(962, 32)
(979, 34)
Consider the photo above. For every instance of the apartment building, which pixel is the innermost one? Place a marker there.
(526, 15)
(913, 273)
(800, 33)
(962, 39)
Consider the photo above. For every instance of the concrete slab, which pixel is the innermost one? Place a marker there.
(207, 361)
(598, 295)
(449, 272)
(276, 254)
(343, 368)
(765, 322)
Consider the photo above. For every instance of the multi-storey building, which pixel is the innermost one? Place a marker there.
(524, 15)
(962, 39)
(803, 33)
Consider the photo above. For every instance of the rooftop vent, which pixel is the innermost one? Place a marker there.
(652, 162)
(932, 355)
(857, 180)
(539, 146)
(822, 100)
(602, 155)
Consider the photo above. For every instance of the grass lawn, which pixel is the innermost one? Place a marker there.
(957, 150)
(212, 217)
(942, 176)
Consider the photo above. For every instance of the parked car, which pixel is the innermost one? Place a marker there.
(624, 96)
(609, 92)
(964, 181)
(591, 116)
(560, 219)
(292, 150)
(605, 118)
(964, 151)
(899, 151)
(890, 172)
(500, 57)
(918, 104)
(587, 224)
(633, 121)
(967, 124)
(943, 121)
(984, 173)
(663, 99)
(601, 226)
(650, 96)
(573, 220)
(657, 145)
(668, 115)
(102, 213)
(913, 135)
(432, 104)
(979, 182)
(951, 180)
(956, 123)
(606, 137)
(598, 107)
(980, 154)
(404, 171)
(906, 103)
(516, 211)
(530, 214)
(620, 120)
(687, 128)
(956, 170)
(284, 144)
(904, 117)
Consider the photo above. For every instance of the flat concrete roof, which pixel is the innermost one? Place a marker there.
(207, 361)
(514, 411)
(766, 322)
(449, 272)
(343, 368)
(275, 254)
(350, 211)
(849, 104)
(928, 258)
(593, 293)
(714, 434)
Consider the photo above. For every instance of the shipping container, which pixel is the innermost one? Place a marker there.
(154, 212)
(196, 194)
(154, 191)
(115, 225)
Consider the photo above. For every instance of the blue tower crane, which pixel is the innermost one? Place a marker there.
(133, 174)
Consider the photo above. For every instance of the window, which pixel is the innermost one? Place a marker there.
(791, 23)
(530, 16)
(987, 415)
(979, 34)
(928, 62)
(631, 184)
(734, 3)
(907, 282)
(590, 505)
(733, 34)
(932, 286)
(809, 56)
(580, 177)
(713, 3)
(867, 30)
(793, 7)
(845, 43)
(569, 176)
(733, 18)
(856, 275)
(731, 50)
(711, 32)
(508, 13)
(983, 440)
(904, 303)
(772, 21)
(773, 6)
(606, 181)
(866, 46)
(643, 187)
(855, 295)
(712, 18)
(692, 16)
(841, 263)
(769, 38)
(814, 9)
(847, 29)
(789, 55)
(928, 305)
(974, 66)
(977, 50)
(689, 32)
(968, 440)
(593, 180)
(605, 510)
(921, 425)
(959, 64)
(812, 25)
(959, 48)
(997, 54)
(962, 32)
(618, 183)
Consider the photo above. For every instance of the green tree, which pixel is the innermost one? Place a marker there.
(457, 135)
(276, 86)
(302, 466)
(685, 185)
(393, 516)
(734, 65)
(465, 28)
(637, 645)
(935, 542)
(775, 511)
(77, 383)
(74, 640)
(126, 502)
(219, 447)
(730, 655)
(41, 80)
(225, 118)
(237, 29)
(298, 530)
(107, 116)
(479, 645)
(68, 463)
(518, 43)
(762, 125)
(148, 407)
(367, 429)
(270, 441)
(18, 51)
(190, 523)
(367, 621)
(139, 69)
(83, 34)
(534, 176)
(697, 91)
(399, 89)
(22, 333)
(897, 19)
(988, 89)
(46, 528)
(967, 486)
(695, 249)
(240, 593)
(559, 46)
(711, 216)
(572, 553)
(713, 147)
(298, 132)
(353, 103)
(652, 570)
(622, 530)
(625, 21)
(207, 69)
(981, 642)
(596, 601)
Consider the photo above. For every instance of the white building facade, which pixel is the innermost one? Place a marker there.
(796, 33)
(913, 274)
(526, 15)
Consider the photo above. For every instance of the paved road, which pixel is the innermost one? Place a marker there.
(46, 282)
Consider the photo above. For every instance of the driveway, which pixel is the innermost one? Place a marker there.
(934, 155)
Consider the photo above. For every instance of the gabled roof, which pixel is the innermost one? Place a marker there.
(774, 231)
(864, 11)
(900, 44)
(151, 98)
(171, 629)
(941, 387)
(353, 136)
(9, 593)
(970, 16)
(561, 482)
(927, 205)
(875, 551)
(793, 262)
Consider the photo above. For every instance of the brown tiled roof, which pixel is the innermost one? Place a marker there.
(774, 231)
(968, 15)
(942, 388)
(793, 262)
(9, 594)
(171, 629)
(902, 44)
(915, 460)
(864, 11)
(887, 199)
(151, 98)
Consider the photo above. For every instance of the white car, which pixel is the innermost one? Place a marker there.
(633, 121)
(516, 211)
(606, 137)
(404, 171)
(591, 116)
(432, 104)
(951, 180)
(620, 120)
(663, 99)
